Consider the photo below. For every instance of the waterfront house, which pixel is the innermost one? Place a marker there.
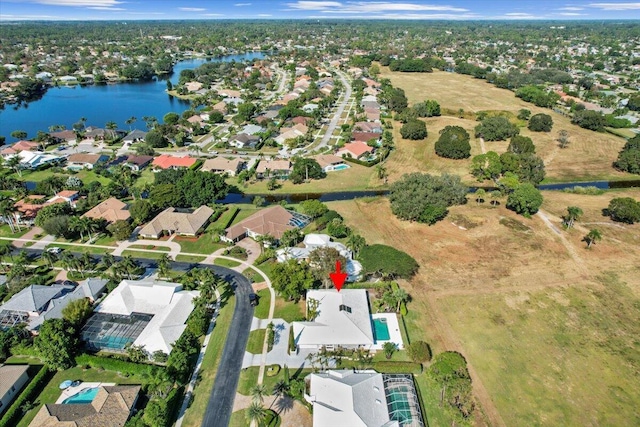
(166, 161)
(221, 165)
(272, 221)
(85, 161)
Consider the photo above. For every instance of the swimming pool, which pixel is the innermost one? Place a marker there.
(340, 167)
(84, 396)
(381, 329)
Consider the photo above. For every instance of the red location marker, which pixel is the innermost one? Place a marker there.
(338, 277)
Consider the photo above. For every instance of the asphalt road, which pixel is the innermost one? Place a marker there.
(220, 404)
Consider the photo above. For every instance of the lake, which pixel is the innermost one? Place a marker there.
(103, 103)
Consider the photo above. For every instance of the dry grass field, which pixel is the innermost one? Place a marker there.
(549, 328)
(589, 156)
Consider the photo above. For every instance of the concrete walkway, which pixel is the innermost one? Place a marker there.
(173, 246)
(44, 242)
(279, 354)
(196, 372)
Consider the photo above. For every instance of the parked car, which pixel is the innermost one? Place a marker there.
(54, 250)
(253, 299)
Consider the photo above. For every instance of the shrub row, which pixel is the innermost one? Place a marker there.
(232, 216)
(196, 165)
(391, 367)
(25, 350)
(111, 364)
(14, 413)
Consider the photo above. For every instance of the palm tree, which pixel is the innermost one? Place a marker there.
(4, 251)
(381, 171)
(356, 242)
(256, 413)
(164, 262)
(128, 266)
(49, 257)
(573, 213)
(14, 163)
(7, 211)
(480, 195)
(75, 225)
(157, 381)
(400, 296)
(131, 120)
(258, 393)
(107, 260)
(389, 348)
(89, 225)
(111, 125)
(593, 236)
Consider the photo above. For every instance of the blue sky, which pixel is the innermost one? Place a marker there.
(290, 9)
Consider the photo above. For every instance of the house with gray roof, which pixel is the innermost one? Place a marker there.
(134, 136)
(12, 379)
(34, 304)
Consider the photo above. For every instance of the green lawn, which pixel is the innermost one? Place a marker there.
(262, 310)
(256, 341)
(51, 392)
(249, 378)
(288, 310)
(151, 247)
(86, 176)
(202, 245)
(78, 249)
(253, 275)
(5, 231)
(190, 258)
(146, 177)
(226, 262)
(194, 414)
(435, 414)
(140, 254)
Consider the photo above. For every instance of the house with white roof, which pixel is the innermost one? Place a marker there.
(165, 307)
(348, 398)
(342, 320)
(314, 241)
(363, 399)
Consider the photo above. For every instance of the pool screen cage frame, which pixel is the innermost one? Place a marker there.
(121, 327)
(392, 383)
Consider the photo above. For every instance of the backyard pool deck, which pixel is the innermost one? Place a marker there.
(395, 335)
(72, 391)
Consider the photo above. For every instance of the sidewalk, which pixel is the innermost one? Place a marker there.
(31, 234)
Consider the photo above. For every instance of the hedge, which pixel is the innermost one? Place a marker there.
(232, 217)
(111, 364)
(14, 413)
(367, 164)
(24, 350)
(391, 367)
(196, 165)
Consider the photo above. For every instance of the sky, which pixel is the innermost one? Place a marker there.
(11, 10)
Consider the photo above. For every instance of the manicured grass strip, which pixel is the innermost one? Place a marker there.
(264, 299)
(151, 247)
(139, 254)
(256, 340)
(210, 363)
(225, 262)
(190, 258)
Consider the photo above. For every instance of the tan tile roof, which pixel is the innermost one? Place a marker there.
(85, 158)
(111, 210)
(221, 164)
(9, 374)
(180, 222)
(325, 160)
(110, 408)
(273, 165)
(273, 221)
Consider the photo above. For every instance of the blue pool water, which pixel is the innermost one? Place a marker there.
(340, 167)
(84, 396)
(381, 329)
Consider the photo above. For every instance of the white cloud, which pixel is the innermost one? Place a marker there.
(192, 9)
(81, 3)
(264, 15)
(106, 8)
(571, 8)
(519, 15)
(615, 6)
(242, 4)
(370, 7)
(410, 16)
(212, 14)
(5, 17)
(572, 14)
